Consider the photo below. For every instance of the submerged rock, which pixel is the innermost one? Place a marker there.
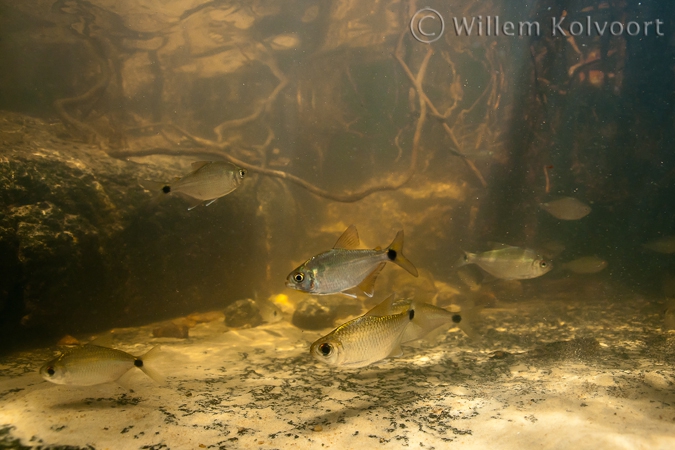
(173, 330)
(83, 248)
(243, 313)
(318, 313)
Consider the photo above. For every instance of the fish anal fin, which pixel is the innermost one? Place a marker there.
(199, 164)
(194, 203)
(384, 308)
(396, 352)
(368, 284)
(349, 294)
(349, 239)
(395, 254)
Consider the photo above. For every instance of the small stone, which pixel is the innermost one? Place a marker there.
(68, 340)
(243, 313)
(206, 317)
(318, 428)
(171, 330)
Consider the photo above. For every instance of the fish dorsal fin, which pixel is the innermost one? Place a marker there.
(368, 284)
(199, 164)
(384, 308)
(349, 239)
(498, 245)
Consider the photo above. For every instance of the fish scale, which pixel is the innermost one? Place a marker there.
(368, 338)
(348, 268)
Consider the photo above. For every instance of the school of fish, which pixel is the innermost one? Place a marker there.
(344, 269)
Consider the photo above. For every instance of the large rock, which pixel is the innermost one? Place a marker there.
(82, 247)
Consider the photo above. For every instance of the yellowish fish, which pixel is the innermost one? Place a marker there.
(509, 263)
(585, 264)
(91, 364)
(378, 334)
(208, 181)
(664, 245)
(364, 340)
(567, 208)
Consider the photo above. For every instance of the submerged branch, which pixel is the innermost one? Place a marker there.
(97, 90)
(417, 84)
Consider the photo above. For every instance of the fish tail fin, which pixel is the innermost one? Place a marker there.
(464, 259)
(147, 362)
(465, 321)
(155, 186)
(395, 254)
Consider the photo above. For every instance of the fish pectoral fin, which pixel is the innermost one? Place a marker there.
(349, 239)
(384, 308)
(210, 202)
(199, 164)
(368, 284)
(348, 294)
(396, 352)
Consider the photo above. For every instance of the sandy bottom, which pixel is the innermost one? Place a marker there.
(588, 375)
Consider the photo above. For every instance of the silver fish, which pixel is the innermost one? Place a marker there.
(208, 181)
(364, 340)
(345, 267)
(91, 364)
(567, 208)
(509, 263)
(585, 264)
(663, 245)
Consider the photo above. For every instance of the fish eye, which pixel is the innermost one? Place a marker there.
(50, 371)
(326, 349)
(298, 277)
(242, 173)
(543, 264)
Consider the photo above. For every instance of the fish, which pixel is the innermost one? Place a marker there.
(509, 263)
(428, 318)
(379, 333)
(345, 267)
(566, 208)
(551, 249)
(470, 277)
(364, 340)
(208, 181)
(585, 264)
(269, 312)
(663, 245)
(90, 364)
